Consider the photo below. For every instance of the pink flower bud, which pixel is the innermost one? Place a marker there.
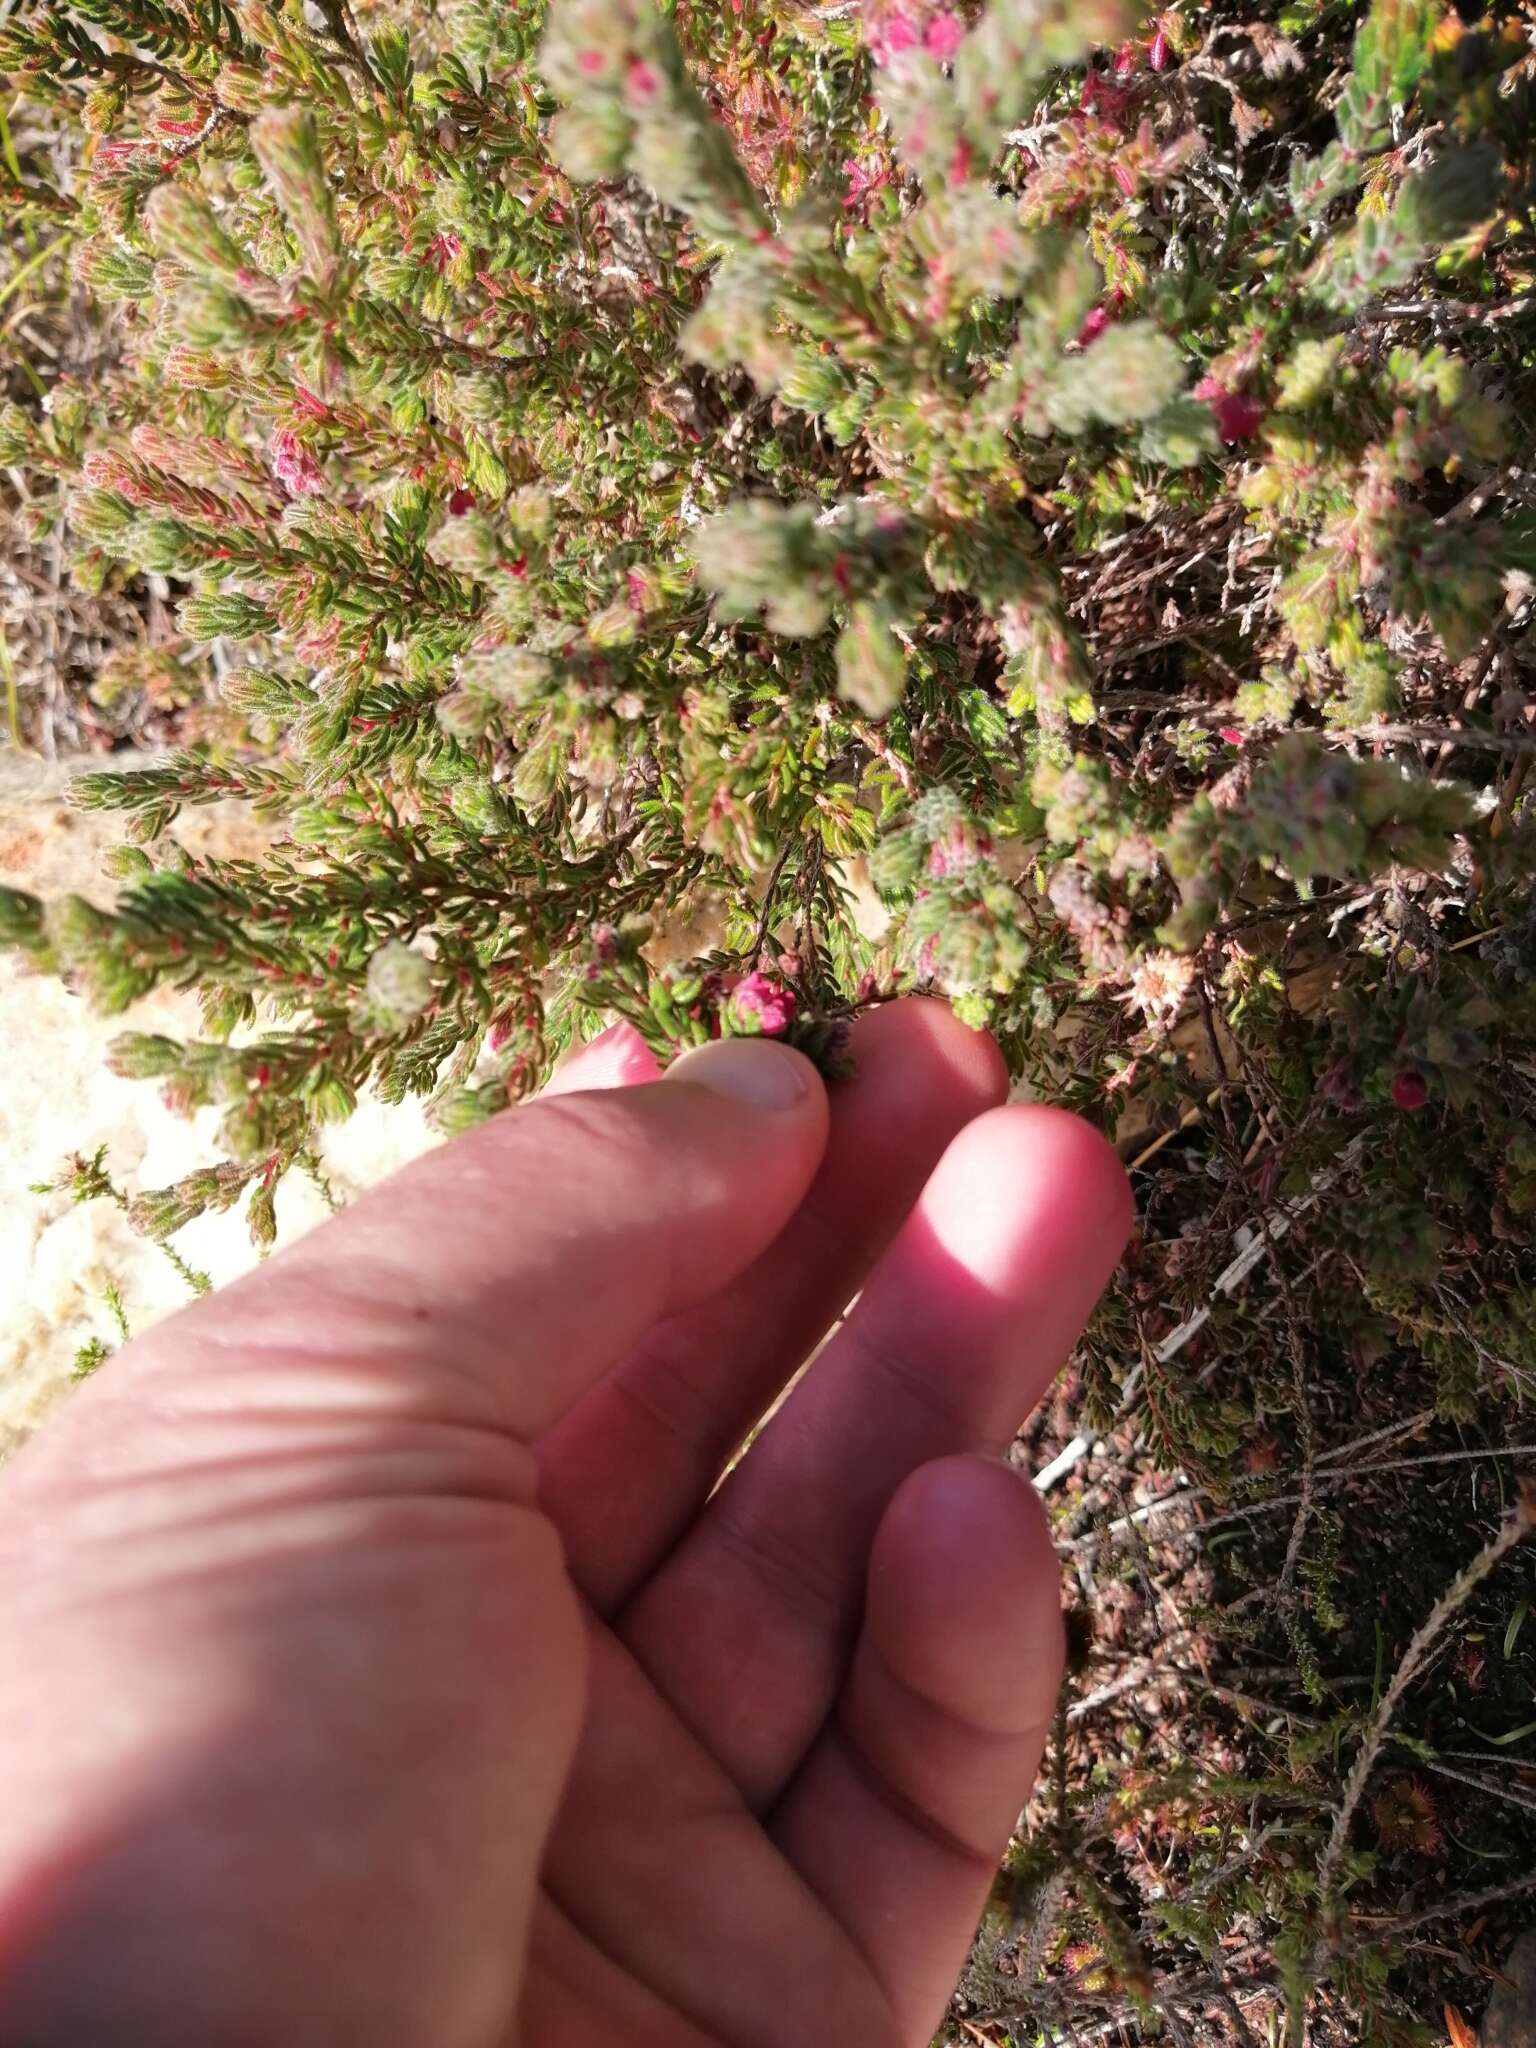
(1410, 1090)
(1237, 418)
(768, 1005)
(943, 36)
(1093, 326)
(460, 502)
(957, 852)
(892, 26)
(642, 83)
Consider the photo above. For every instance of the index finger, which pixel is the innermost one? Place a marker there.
(493, 1281)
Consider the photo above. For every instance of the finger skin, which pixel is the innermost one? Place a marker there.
(291, 1658)
(746, 1628)
(280, 1771)
(665, 1871)
(617, 1058)
(902, 1810)
(623, 1474)
(494, 1280)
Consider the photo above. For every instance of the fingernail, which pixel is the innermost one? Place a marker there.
(751, 1070)
(617, 1058)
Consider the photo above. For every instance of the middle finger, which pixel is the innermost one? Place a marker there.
(626, 1470)
(747, 1627)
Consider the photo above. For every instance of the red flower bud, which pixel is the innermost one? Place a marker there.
(1094, 324)
(642, 82)
(943, 36)
(1410, 1090)
(758, 1000)
(1237, 418)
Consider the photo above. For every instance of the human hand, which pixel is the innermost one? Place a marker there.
(379, 1666)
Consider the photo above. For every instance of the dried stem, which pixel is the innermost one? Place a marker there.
(1515, 1529)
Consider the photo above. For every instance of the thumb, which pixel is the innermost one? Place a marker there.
(292, 1539)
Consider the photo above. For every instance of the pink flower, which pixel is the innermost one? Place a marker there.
(957, 852)
(943, 36)
(891, 26)
(1410, 1090)
(1160, 985)
(1157, 51)
(1093, 326)
(294, 467)
(1232, 735)
(642, 82)
(757, 1003)
(1237, 418)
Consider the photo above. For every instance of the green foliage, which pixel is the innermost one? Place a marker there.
(608, 509)
(1027, 501)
